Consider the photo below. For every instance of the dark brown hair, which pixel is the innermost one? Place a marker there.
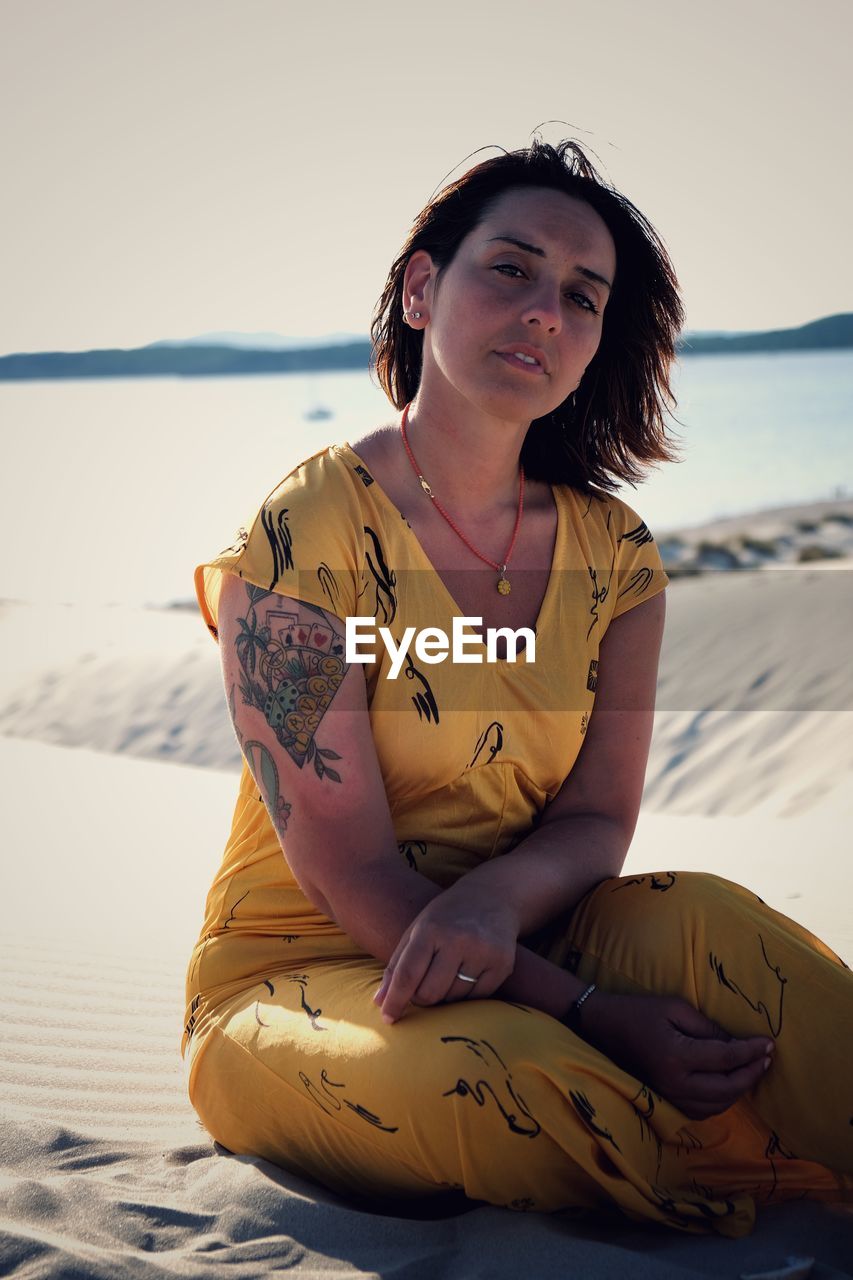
(617, 424)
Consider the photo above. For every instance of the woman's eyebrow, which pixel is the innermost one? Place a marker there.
(531, 248)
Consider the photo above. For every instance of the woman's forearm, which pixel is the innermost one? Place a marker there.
(377, 907)
(549, 871)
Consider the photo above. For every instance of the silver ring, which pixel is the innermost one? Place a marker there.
(465, 977)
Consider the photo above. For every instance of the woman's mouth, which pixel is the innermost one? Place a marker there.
(521, 363)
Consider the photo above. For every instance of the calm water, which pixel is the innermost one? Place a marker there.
(112, 491)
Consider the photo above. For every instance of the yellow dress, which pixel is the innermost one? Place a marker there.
(287, 1056)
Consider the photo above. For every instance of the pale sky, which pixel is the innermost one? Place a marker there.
(172, 167)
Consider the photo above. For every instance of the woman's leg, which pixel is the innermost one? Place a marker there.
(495, 1099)
(750, 969)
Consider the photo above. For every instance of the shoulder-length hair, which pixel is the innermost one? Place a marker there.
(615, 427)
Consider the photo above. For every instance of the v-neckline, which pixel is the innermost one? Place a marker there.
(550, 589)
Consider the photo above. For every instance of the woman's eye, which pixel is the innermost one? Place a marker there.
(591, 307)
(586, 304)
(507, 266)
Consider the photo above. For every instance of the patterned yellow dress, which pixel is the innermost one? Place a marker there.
(287, 1056)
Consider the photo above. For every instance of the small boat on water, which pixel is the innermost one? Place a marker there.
(317, 412)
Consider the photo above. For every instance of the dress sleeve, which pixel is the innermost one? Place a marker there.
(639, 573)
(306, 541)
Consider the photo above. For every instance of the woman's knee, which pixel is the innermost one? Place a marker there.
(656, 896)
(650, 927)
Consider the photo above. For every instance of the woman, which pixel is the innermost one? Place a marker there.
(420, 967)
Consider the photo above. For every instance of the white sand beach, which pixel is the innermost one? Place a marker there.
(120, 771)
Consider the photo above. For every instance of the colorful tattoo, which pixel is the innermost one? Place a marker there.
(291, 670)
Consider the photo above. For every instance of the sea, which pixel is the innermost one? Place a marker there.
(112, 490)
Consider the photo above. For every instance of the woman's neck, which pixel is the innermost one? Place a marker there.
(471, 467)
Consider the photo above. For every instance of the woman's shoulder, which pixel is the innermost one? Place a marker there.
(610, 514)
(625, 560)
(327, 469)
(377, 456)
(304, 540)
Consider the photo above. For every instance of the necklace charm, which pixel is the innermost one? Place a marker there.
(503, 582)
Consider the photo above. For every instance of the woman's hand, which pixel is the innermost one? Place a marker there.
(676, 1050)
(465, 929)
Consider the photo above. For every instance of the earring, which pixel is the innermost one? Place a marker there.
(406, 314)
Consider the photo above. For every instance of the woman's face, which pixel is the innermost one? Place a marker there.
(497, 296)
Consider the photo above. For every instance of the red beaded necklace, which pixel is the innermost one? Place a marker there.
(503, 582)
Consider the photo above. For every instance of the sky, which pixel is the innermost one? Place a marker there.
(174, 167)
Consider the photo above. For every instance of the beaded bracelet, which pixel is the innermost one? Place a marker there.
(572, 1018)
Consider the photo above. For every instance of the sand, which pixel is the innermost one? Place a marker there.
(120, 773)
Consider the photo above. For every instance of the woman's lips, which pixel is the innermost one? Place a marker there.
(535, 369)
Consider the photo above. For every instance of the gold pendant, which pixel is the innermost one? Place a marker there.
(503, 586)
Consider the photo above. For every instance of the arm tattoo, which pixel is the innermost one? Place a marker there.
(262, 765)
(291, 670)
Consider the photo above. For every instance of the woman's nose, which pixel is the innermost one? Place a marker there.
(545, 307)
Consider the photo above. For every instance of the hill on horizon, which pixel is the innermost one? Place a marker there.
(230, 353)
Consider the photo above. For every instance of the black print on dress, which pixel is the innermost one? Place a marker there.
(280, 540)
(301, 980)
(639, 535)
(491, 740)
(381, 579)
(599, 595)
(366, 477)
(499, 1087)
(258, 1017)
(424, 700)
(643, 1104)
(327, 1100)
(587, 1113)
(409, 847)
(658, 884)
(592, 498)
(638, 582)
(773, 1150)
(771, 1008)
(329, 586)
(592, 675)
(241, 537)
(641, 578)
(196, 1001)
(667, 1205)
(230, 919)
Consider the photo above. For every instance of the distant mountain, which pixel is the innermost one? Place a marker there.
(262, 341)
(239, 354)
(831, 331)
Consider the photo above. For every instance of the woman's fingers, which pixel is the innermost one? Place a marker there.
(416, 979)
(406, 976)
(725, 1087)
(724, 1056)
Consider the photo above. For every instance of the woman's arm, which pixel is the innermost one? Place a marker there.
(324, 789)
(340, 841)
(582, 837)
(584, 833)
